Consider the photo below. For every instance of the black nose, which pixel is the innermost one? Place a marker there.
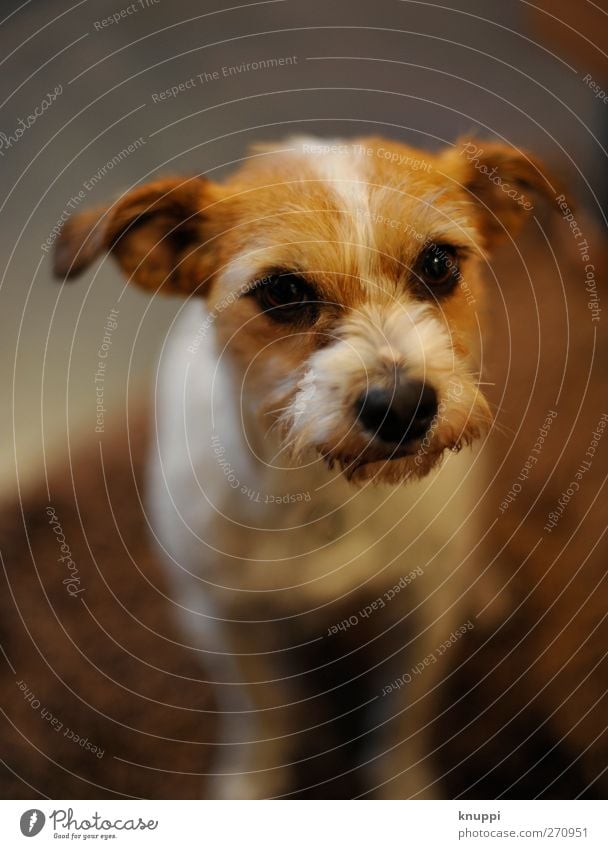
(399, 414)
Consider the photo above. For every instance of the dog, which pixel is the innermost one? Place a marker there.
(307, 485)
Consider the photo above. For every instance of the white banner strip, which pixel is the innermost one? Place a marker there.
(305, 824)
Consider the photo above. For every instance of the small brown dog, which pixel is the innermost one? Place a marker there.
(318, 527)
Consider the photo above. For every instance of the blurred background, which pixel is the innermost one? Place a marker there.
(420, 72)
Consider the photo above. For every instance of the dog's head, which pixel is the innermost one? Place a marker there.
(342, 278)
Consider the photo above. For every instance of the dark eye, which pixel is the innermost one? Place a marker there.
(437, 268)
(287, 298)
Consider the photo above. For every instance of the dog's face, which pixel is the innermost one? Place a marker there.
(344, 281)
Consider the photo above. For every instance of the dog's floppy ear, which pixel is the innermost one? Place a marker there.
(502, 181)
(155, 232)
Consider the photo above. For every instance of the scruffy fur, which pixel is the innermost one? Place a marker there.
(279, 516)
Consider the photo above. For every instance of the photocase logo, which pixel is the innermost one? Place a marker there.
(32, 822)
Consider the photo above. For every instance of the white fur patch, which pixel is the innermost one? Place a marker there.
(341, 166)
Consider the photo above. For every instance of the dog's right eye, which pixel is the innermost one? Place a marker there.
(287, 298)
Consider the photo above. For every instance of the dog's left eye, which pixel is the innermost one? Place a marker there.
(437, 268)
(286, 298)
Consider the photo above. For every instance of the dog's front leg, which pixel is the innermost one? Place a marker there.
(259, 739)
(404, 767)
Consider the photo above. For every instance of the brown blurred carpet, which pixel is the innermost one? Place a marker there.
(525, 713)
(98, 697)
